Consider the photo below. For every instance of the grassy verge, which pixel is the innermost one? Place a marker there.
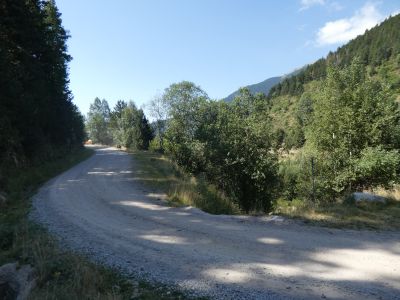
(157, 171)
(60, 274)
(340, 214)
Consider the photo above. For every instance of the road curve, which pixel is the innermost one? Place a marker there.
(99, 207)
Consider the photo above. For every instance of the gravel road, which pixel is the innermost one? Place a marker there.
(99, 207)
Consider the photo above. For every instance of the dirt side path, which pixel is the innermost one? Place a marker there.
(99, 207)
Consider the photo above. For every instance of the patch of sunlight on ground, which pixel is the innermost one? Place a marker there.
(142, 205)
(270, 241)
(164, 239)
(102, 173)
(156, 195)
(349, 265)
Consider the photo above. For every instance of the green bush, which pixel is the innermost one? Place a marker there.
(377, 167)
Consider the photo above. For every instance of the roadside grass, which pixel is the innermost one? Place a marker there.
(340, 214)
(59, 274)
(157, 171)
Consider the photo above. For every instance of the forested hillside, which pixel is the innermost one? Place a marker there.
(38, 119)
(330, 130)
(378, 50)
(264, 86)
(375, 47)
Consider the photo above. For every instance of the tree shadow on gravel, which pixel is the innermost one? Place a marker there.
(240, 256)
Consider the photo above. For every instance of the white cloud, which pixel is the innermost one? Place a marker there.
(343, 30)
(306, 4)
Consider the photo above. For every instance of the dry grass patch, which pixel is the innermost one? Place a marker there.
(159, 172)
(340, 214)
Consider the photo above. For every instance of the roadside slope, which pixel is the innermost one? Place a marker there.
(99, 208)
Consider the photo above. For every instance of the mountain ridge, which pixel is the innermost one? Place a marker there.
(261, 87)
(266, 85)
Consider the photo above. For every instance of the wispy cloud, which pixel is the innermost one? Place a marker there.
(306, 4)
(343, 30)
(329, 4)
(336, 6)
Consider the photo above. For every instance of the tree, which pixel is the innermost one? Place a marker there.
(145, 132)
(35, 99)
(129, 126)
(98, 122)
(38, 120)
(184, 100)
(159, 111)
(117, 131)
(249, 172)
(229, 143)
(351, 114)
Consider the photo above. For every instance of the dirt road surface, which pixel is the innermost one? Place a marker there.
(100, 208)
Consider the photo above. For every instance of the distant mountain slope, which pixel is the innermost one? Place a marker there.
(266, 85)
(291, 100)
(374, 48)
(261, 87)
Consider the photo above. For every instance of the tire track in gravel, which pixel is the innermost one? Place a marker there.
(100, 208)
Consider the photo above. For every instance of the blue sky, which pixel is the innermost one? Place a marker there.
(133, 50)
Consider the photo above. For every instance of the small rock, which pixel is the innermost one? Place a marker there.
(359, 197)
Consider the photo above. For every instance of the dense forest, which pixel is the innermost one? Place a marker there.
(38, 119)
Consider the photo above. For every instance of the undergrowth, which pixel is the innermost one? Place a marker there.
(343, 214)
(159, 172)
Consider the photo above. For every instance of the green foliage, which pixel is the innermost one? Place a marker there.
(297, 174)
(375, 47)
(124, 126)
(353, 113)
(98, 121)
(185, 100)
(336, 119)
(377, 166)
(160, 172)
(305, 109)
(294, 138)
(159, 110)
(37, 114)
(229, 143)
(289, 173)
